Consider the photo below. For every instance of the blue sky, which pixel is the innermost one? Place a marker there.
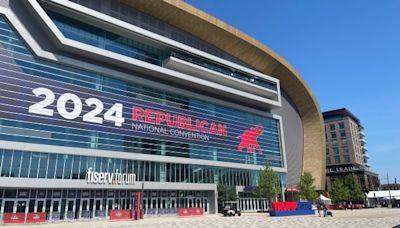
(348, 52)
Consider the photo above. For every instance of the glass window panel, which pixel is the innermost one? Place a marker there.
(110, 165)
(146, 171)
(5, 168)
(158, 171)
(130, 166)
(52, 166)
(26, 159)
(92, 163)
(104, 165)
(118, 165)
(1, 157)
(75, 166)
(83, 167)
(60, 166)
(136, 170)
(43, 165)
(68, 166)
(34, 165)
(16, 163)
(98, 164)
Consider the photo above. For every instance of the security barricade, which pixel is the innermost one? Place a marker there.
(190, 212)
(36, 218)
(167, 211)
(121, 215)
(151, 212)
(14, 218)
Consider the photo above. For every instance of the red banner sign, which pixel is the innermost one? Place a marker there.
(197, 211)
(121, 215)
(39, 217)
(14, 218)
(190, 211)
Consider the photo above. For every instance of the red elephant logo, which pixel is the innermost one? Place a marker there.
(249, 139)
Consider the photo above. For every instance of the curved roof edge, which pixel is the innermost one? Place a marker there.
(249, 50)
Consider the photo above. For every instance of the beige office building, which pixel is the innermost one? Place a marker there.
(346, 150)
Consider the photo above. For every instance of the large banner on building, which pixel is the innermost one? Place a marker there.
(44, 101)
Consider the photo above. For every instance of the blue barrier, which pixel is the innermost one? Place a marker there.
(151, 211)
(290, 213)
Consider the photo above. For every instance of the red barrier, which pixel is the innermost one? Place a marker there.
(184, 212)
(121, 214)
(197, 211)
(33, 218)
(14, 218)
(190, 211)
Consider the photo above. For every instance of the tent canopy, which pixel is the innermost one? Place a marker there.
(323, 198)
(382, 194)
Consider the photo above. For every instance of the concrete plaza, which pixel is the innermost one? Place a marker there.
(380, 217)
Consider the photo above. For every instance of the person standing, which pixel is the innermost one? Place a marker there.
(319, 208)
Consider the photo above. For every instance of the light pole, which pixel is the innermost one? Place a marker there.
(388, 188)
(390, 195)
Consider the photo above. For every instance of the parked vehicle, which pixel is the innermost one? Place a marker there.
(231, 208)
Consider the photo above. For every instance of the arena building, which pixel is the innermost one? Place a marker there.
(103, 99)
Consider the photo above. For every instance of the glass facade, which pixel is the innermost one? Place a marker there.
(109, 41)
(26, 164)
(15, 57)
(227, 71)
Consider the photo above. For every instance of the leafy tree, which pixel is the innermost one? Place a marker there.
(269, 185)
(226, 193)
(306, 187)
(354, 187)
(339, 192)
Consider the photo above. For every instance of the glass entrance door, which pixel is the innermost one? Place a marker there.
(173, 203)
(164, 203)
(144, 205)
(39, 206)
(153, 203)
(70, 214)
(63, 209)
(110, 205)
(85, 213)
(21, 206)
(205, 205)
(198, 203)
(8, 206)
(190, 203)
(55, 209)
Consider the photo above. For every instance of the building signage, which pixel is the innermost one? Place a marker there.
(119, 178)
(341, 169)
(249, 139)
(40, 100)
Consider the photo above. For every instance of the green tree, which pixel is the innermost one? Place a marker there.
(306, 187)
(226, 193)
(354, 187)
(269, 185)
(339, 192)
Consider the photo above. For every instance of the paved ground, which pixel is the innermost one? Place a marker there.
(380, 217)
